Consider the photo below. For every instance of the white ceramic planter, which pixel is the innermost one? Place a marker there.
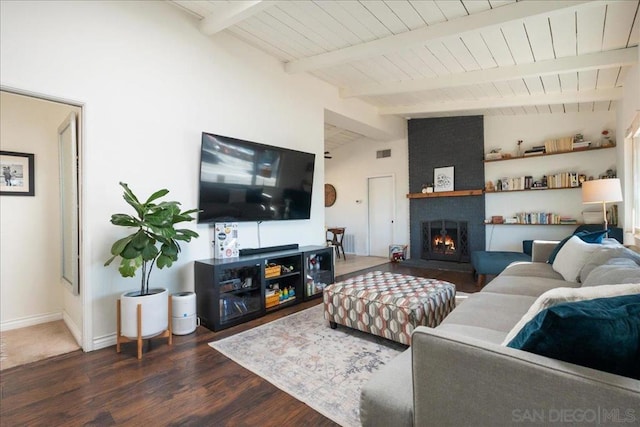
(155, 313)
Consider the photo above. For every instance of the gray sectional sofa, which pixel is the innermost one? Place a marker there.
(461, 373)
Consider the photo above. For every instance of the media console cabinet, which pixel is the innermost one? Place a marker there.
(234, 291)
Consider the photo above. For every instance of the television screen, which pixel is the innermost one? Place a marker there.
(246, 181)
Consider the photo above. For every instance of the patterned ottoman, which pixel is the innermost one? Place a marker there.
(387, 304)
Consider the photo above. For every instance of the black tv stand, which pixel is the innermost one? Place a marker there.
(236, 290)
(256, 251)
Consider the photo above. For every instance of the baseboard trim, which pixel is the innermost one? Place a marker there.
(30, 321)
(73, 328)
(104, 341)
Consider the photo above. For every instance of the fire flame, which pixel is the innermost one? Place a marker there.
(447, 242)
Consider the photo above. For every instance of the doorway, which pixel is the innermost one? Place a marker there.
(32, 227)
(381, 196)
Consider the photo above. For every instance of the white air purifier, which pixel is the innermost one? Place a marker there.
(183, 313)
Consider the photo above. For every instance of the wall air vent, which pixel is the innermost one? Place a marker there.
(381, 154)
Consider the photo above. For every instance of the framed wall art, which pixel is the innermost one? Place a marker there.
(17, 174)
(443, 179)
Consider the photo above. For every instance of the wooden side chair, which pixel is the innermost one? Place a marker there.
(336, 240)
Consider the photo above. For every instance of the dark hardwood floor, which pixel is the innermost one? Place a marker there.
(186, 384)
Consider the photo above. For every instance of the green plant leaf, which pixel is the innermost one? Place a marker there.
(191, 211)
(170, 249)
(157, 195)
(110, 260)
(124, 220)
(141, 240)
(128, 267)
(164, 261)
(159, 218)
(149, 252)
(132, 200)
(130, 251)
(185, 234)
(119, 245)
(163, 233)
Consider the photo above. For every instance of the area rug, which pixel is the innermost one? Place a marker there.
(322, 367)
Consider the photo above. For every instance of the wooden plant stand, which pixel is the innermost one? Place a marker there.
(122, 339)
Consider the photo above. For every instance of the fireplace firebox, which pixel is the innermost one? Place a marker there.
(445, 240)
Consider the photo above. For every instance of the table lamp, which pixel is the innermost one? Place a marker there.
(603, 191)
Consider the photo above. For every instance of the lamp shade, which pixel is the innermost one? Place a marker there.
(602, 191)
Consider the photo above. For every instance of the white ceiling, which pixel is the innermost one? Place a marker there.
(423, 58)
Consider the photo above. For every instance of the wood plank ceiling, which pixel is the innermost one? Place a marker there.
(423, 58)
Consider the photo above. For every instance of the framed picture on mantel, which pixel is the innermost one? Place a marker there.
(443, 179)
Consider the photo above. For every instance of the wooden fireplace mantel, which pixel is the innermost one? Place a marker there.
(458, 193)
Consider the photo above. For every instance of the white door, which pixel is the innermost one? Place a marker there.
(68, 157)
(381, 215)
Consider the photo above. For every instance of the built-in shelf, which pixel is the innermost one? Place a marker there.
(535, 156)
(531, 189)
(458, 193)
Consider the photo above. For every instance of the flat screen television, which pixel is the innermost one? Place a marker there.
(247, 181)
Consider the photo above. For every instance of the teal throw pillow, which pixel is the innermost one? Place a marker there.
(602, 333)
(585, 236)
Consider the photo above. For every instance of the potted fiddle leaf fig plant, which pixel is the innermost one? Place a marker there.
(155, 241)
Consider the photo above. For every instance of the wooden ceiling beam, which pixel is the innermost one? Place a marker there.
(498, 16)
(594, 61)
(416, 111)
(236, 12)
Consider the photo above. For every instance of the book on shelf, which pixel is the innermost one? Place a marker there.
(569, 221)
(581, 144)
(534, 151)
(529, 153)
(558, 145)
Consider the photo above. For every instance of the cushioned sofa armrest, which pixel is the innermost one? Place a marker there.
(542, 249)
(463, 381)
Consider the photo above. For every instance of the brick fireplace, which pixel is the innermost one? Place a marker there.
(443, 142)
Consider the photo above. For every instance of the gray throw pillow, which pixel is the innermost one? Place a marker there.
(613, 274)
(603, 255)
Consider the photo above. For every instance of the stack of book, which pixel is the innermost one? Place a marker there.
(582, 145)
(543, 218)
(563, 180)
(559, 145)
(535, 150)
(517, 183)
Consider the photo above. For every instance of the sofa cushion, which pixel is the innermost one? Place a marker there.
(562, 295)
(603, 255)
(572, 257)
(602, 333)
(613, 273)
(491, 311)
(471, 331)
(532, 269)
(527, 286)
(586, 236)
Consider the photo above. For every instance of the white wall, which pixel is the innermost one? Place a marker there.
(504, 132)
(31, 288)
(626, 110)
(150, 83)
(348, 171)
